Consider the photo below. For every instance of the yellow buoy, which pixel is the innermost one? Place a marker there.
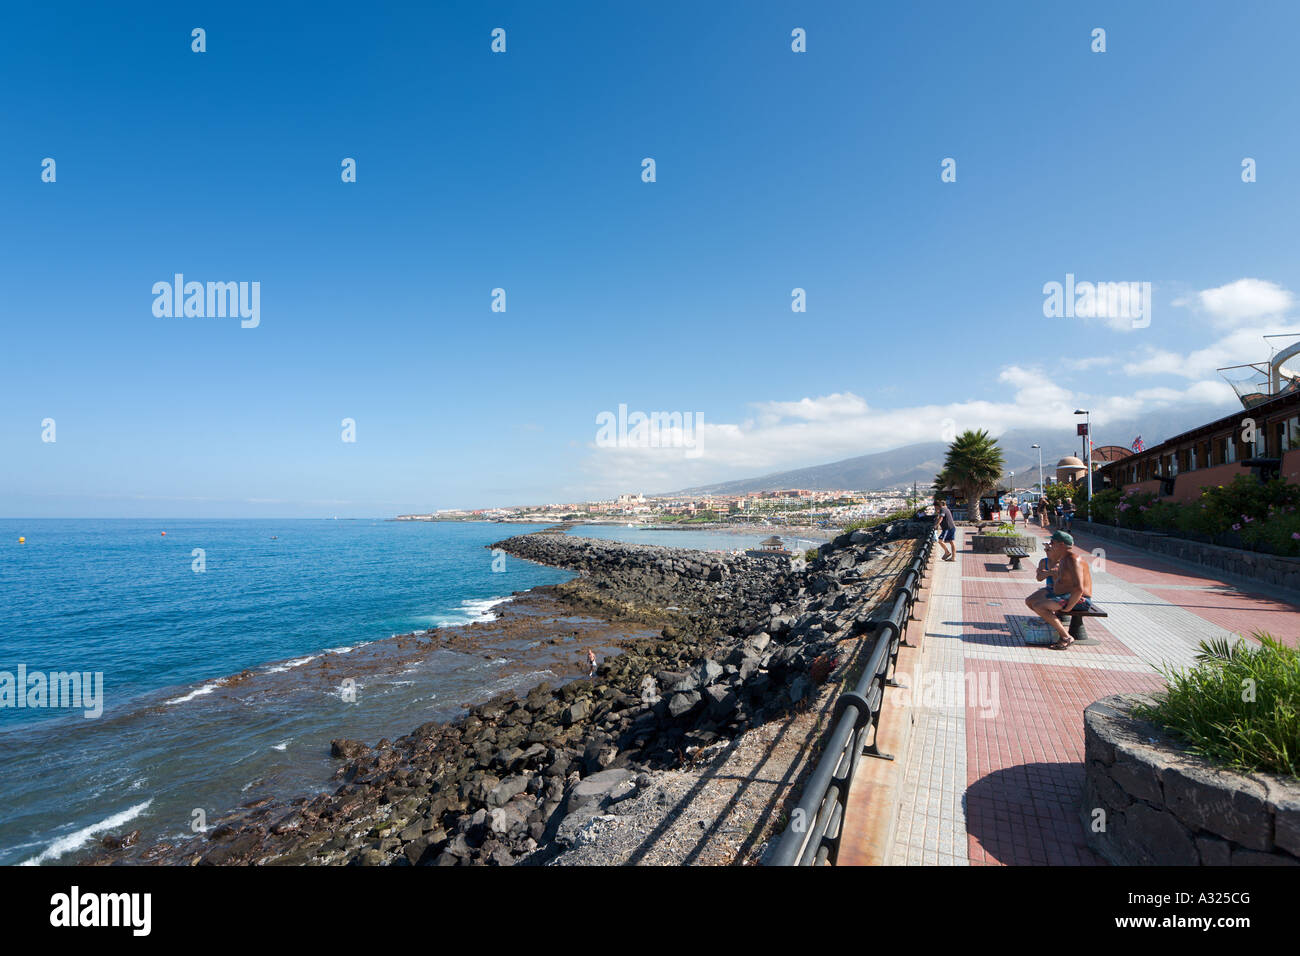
(22, 540)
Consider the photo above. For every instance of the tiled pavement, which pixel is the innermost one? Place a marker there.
(994, 769)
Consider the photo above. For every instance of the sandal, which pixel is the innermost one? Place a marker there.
(1062, 644)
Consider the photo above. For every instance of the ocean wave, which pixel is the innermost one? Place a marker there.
(73, 841)
(472, 611)
(207, 688)
(288, 665)
(283, 745)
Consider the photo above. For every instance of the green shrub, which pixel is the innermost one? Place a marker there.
(1004, 530)
(864, 523)
(1104, 504)
(1239, 706)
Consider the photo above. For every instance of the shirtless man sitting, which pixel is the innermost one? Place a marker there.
(1068, 587)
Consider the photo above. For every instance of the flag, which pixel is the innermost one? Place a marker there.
(1137, 443)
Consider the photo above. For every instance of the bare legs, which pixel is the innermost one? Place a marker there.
(1046, 608)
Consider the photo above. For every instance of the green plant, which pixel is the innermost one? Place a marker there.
(1264, 516)
(1004, 530)
(1058, 492)
(1104, 504)
(863, 524)
(1239, 706)
(972, 466)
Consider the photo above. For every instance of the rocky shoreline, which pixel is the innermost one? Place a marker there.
(522, 779)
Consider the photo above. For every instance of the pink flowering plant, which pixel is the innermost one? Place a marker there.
(1246, 512)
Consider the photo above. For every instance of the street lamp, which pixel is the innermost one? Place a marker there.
(1088, 424)
(1041, 484)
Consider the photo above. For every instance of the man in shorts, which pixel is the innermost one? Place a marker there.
(1069, 586)
(947, 530)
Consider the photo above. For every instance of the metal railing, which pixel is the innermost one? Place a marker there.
(812, 836)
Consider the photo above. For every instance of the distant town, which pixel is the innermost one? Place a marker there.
(791, 506)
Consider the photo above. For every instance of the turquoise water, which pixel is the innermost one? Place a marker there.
(225, 685)
(120, 598)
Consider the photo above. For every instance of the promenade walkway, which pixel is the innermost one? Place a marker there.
(993, 770)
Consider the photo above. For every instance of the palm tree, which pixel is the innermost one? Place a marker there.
(972, 466)
(942, 484)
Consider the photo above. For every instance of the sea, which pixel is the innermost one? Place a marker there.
(232, 652)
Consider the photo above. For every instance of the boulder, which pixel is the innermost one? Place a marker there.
(341, 748)
(682, 703)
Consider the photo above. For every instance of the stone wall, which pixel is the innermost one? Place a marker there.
(1253, 565)
(1161, 806)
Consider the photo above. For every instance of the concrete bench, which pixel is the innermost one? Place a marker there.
(1076, 629)
(1015, 554)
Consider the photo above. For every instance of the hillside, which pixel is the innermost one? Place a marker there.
(899, 467)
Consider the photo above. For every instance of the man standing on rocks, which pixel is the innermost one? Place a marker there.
(947, 530)
(591, 662)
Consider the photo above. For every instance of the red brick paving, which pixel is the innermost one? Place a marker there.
(1025, 762)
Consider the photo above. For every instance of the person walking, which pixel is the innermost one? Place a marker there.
(1013, 510)
(1067, 513)
(947, 529)
(1044, 512)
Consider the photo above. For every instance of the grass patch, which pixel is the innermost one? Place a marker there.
(1238, 707)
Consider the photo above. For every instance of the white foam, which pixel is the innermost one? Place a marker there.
(284, 745)
(472, 611)
(482, 610)
(288, 665)
(205, 689)
(72, 841)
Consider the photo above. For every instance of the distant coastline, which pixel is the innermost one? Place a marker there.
(738, 527)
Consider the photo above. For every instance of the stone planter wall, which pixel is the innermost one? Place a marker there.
(1268, 568)
(994, 543)
(1162, 806)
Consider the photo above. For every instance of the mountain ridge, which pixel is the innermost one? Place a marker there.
(919, 462)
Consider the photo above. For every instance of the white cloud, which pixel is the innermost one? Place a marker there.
(815, 430)
(1236, 348)
(1084, 364)
(1242, 301)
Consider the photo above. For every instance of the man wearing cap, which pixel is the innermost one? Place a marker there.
(1069, 587)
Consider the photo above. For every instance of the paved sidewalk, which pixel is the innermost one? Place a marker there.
(994, 767)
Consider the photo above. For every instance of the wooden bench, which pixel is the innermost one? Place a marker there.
(1076, 628)
(1015, 554)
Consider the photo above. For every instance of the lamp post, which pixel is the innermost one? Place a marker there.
(1088, 424)
(1041, 484)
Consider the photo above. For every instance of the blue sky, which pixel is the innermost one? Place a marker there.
(522, 170)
